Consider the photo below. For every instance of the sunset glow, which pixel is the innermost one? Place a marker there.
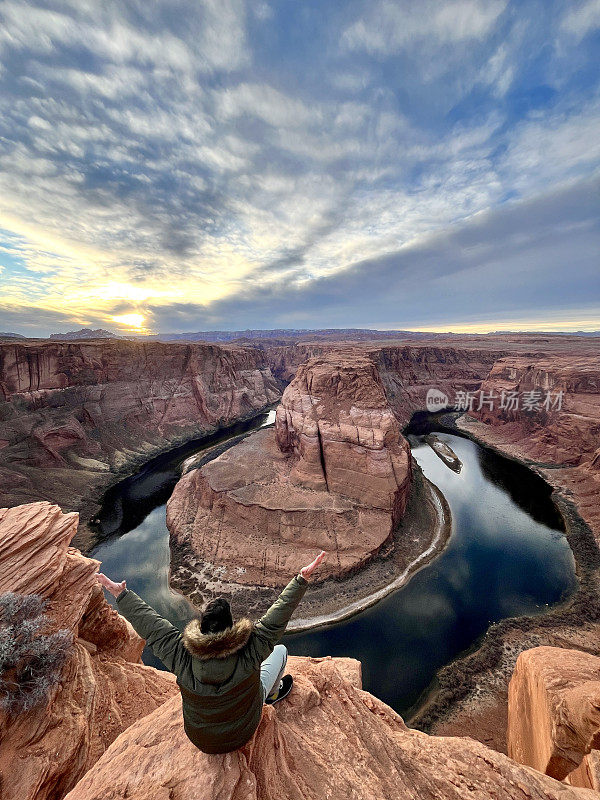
(130, 320)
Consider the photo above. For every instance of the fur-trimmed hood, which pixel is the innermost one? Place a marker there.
(216, 645)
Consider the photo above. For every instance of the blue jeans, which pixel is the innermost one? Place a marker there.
(272, 670)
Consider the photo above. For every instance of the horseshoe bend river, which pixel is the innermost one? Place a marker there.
(507, 556)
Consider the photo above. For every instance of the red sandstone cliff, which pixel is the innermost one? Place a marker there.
(554, 714)
(410, 367)
(334, 474)
(409, 372)
(335, 420)
(103, 687)
(75, 412)
(329, 739)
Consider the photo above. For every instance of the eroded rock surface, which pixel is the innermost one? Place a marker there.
(334, 418)
(104, 687)
(74, 413)
(554, 709)
(329, 739)
(334, 474)
(587, 774)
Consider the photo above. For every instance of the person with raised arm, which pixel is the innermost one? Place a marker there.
(225, 671)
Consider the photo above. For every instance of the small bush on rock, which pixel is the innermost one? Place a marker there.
(31, 661)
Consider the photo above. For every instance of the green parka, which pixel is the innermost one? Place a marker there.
(218, 674)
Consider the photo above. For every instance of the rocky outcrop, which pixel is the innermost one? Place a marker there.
(103, 687)
(334, 474)
(554, 709)
(329, 739)
(335, 420)
(75, 414)
(587, 774)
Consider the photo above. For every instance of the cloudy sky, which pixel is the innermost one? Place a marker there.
(218, 164)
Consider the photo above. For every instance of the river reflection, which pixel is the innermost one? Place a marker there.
(501, 561)
(507, 556)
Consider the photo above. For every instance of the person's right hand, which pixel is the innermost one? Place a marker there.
(111, 586)
(306, 572)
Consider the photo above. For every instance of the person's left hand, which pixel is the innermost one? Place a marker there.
(110, 586)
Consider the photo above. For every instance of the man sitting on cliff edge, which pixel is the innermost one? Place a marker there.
(225, 670)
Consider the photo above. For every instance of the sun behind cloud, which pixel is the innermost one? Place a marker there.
(132, 321)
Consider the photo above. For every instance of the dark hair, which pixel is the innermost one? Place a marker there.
(216, 616)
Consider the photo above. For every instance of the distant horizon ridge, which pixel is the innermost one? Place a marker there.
(226, 335)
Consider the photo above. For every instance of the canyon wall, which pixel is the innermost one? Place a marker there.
(333, 474)
(524, 416)
(407, 369)
(73, 415)
(103, 687)
(409, 372)
(556, 425)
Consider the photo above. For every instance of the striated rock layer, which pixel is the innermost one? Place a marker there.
(329, 739)
(554, 711)
(75, 413)
(335, 420)
(407, 369)
(104, 687)
(334, 474)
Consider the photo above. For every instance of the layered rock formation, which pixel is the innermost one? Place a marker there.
(329, 739)
(554, 712)
(334, 419)
(408, 369)
(334, 474)
(76, 414)
(409, 372)
(103, 688)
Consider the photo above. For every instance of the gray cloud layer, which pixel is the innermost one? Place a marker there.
(539, 256)
(208, 162)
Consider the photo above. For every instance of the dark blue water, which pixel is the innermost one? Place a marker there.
(133, 535)
(507, 556)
